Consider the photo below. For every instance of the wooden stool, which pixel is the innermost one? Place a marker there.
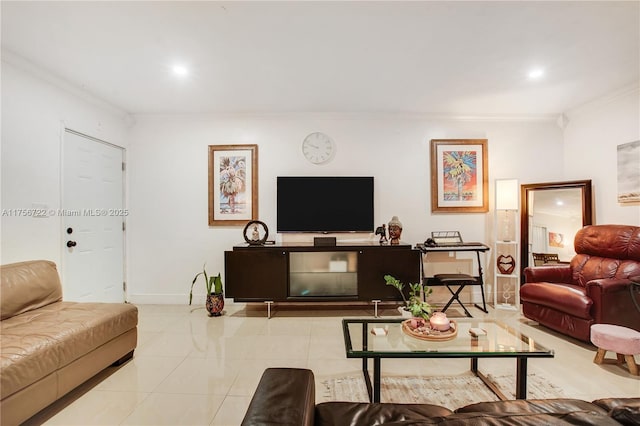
(625, 342)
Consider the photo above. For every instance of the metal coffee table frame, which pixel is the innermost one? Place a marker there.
(440, 351)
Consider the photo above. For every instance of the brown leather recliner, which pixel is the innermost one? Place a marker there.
(594, 288)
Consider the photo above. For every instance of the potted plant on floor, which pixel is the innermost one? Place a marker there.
(215, 296)
(414, 305)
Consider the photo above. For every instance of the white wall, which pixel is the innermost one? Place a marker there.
(591, 137)
(34, 113)
(169, 237)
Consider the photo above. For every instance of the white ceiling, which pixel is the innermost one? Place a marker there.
(447, 58)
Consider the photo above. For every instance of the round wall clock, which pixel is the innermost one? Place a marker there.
(318, 148)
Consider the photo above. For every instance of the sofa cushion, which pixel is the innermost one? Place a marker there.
(577, 418)
(587, 268)
(606, 251)
(627, 415)
(609, 241)
(28, 285)
(39, 342)
(567, 298)
(362, 413)
(624, 410)
(556, 405)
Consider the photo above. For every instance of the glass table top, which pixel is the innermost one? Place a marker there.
(500, 340)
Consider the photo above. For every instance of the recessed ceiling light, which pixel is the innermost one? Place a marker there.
(536, 73)
(180, 70)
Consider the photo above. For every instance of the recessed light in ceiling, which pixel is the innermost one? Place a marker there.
(536, 73)
(180, 70)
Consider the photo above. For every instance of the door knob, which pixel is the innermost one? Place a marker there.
(71, 244)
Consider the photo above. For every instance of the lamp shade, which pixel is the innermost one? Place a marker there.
(507, 194)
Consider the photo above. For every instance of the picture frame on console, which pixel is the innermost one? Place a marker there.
(233, 184)
(459, 176)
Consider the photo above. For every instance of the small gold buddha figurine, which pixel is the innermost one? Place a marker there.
(395, 230)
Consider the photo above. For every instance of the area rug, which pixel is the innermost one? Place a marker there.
(449, 391)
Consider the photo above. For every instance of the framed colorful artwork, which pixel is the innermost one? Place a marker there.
(233, 184)
(459, 170)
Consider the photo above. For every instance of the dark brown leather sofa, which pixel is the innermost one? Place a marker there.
(286, 396)
(593, 289)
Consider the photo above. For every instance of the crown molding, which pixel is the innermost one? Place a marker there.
(629, 90)
(356, 116)
(21, 63)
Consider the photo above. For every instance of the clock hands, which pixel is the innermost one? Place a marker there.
(317, 148)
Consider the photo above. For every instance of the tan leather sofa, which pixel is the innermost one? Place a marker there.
(47, 346)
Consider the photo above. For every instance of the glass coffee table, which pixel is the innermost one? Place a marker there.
(500, 341)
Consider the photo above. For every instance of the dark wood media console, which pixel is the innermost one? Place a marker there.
(298, 272)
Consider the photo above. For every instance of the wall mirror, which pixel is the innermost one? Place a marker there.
(550, 216)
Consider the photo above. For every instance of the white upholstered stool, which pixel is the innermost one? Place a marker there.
(625, 342)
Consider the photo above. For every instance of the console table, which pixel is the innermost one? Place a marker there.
(299, 272)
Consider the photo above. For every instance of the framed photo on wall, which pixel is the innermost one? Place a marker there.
(233, 184)
(459, 170)
(556, 239)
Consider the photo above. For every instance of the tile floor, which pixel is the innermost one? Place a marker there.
(190, 369)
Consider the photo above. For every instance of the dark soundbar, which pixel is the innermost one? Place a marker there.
(324, 241)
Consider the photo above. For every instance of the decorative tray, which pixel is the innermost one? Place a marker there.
(425, 332)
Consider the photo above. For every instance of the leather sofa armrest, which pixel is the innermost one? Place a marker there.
(557, 273)
(608, 285)
(612, 302)
(284, 396)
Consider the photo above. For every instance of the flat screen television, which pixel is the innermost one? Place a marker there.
(325, 204)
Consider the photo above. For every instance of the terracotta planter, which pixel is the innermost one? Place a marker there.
(215, 304)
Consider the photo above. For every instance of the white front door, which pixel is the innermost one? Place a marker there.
(93, 220)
